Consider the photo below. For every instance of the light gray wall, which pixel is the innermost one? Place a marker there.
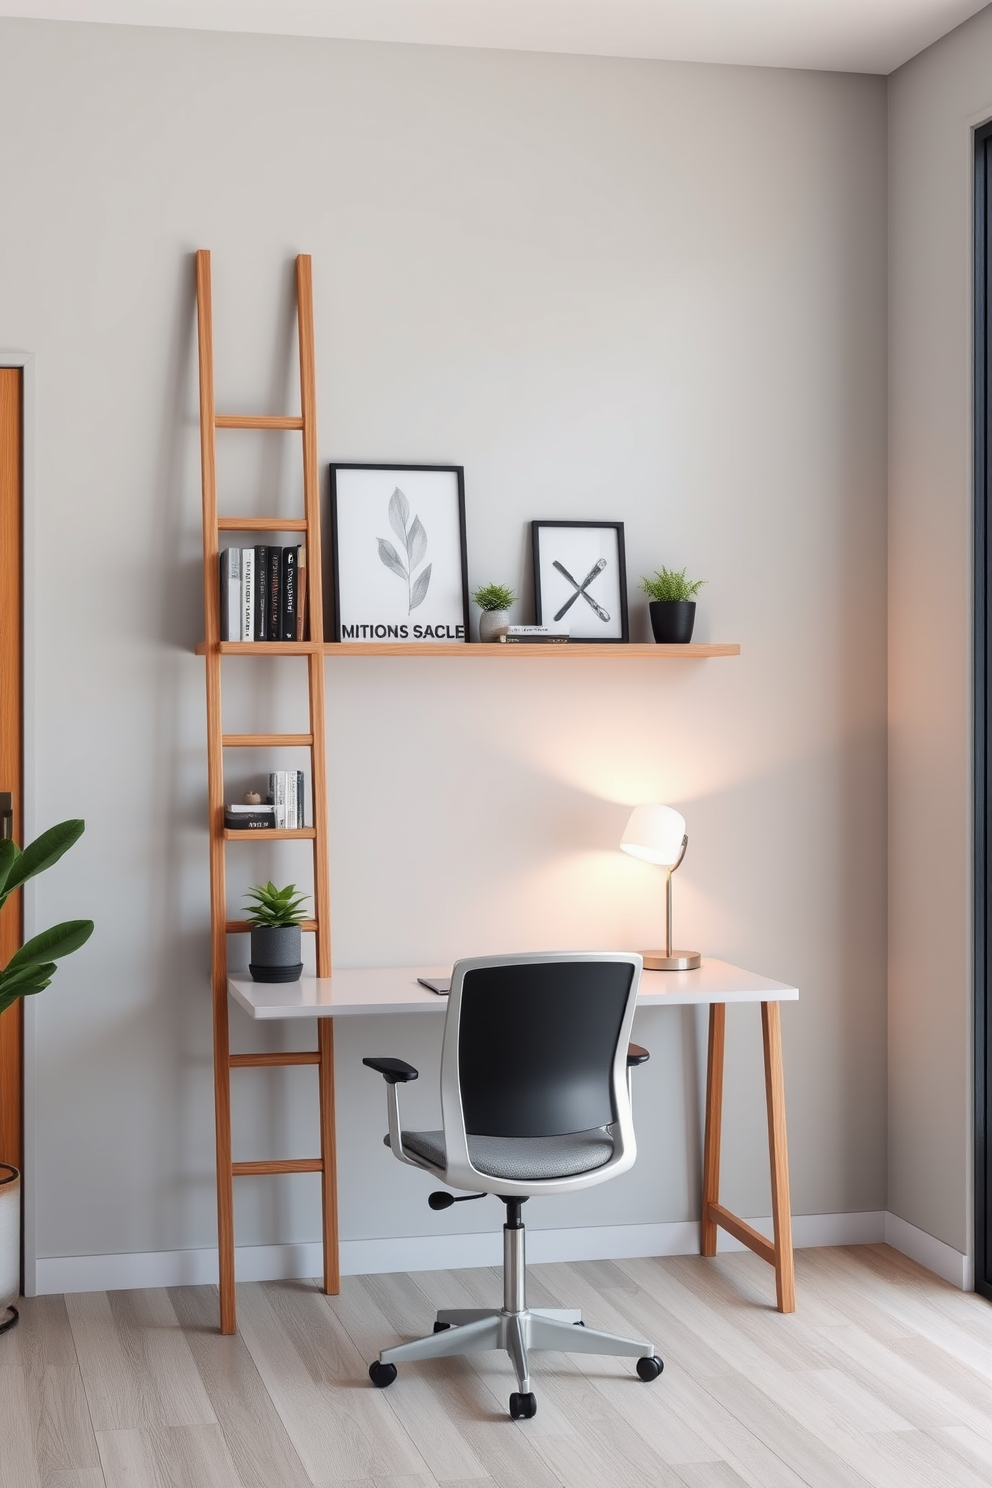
(934, 103)
(653, 292)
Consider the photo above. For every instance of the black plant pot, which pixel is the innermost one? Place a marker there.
(275, 953)
(672, 620)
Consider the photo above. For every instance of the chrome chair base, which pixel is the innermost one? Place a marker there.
(470, 1331)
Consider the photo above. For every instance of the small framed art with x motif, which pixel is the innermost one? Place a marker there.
(580, 579)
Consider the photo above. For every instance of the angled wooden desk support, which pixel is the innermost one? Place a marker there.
(778, 1251)
(218, 741)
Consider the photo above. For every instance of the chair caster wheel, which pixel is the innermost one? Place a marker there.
(382, 1375)
(441, 1327)
(649, 1368)
(522, 1407)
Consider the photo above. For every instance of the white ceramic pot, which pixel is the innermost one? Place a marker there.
(490, 621)
(10, 1239)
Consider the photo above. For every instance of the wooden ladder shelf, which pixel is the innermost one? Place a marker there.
(217, 741)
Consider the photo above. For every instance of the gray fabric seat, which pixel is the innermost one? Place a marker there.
(521, 1158)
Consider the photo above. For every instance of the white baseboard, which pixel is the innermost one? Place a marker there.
(928, 1251)
(98, 1273)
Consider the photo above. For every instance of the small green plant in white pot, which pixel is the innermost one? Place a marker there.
(673, 604)
(275, 915)
(494, 600)
(29, 970)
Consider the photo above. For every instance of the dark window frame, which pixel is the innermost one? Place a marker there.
(982, 702)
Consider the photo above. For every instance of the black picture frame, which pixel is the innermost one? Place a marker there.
(557, 548)
(357, 490)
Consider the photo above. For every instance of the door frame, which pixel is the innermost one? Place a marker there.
(25, 362)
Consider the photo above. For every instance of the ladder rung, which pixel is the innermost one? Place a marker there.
(262, 524)
(258, 741)
(266, 834)
(264, 1061)
(279, 1165)
(261, 648)
(257, 421)
(242, 927)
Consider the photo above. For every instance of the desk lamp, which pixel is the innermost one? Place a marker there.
(657, 834)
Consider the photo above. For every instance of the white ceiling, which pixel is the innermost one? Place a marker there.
(842, 35)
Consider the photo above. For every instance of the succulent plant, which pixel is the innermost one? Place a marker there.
(274, 906)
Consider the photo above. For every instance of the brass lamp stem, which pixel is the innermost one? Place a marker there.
(671, 960)
(668, 914)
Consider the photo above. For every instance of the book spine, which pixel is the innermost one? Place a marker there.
(291, 798)
(290, 560)
(230, 594)
(275, 590)
(301, 596)
(280, 798)
(244, 823)
(261, 593)
(248, 594)
(300, 797)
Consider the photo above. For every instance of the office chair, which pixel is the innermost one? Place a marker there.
(535, 1099)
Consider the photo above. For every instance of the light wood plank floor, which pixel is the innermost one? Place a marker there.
(883, 1377)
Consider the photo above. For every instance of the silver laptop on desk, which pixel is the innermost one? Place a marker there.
(440, 985)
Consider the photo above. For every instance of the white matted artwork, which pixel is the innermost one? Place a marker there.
(398, 535)
(580, 579)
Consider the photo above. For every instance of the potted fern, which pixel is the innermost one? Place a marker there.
(672, 606)
(29, 970)
(275, 915)
(494, 600)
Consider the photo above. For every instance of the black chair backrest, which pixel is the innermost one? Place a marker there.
(537, 1043)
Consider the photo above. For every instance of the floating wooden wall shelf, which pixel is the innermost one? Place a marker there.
(600, 650)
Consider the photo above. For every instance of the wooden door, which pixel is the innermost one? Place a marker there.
(11, 481)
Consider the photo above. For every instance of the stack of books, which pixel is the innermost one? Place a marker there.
(263, 593)
(284, 807)
(517, 635)
(286, 797)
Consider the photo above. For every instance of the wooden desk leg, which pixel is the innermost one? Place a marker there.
(712, 1130)
(328, 1152)
(778, 1154)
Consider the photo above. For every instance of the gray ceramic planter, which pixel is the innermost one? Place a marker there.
(490, 621)
(275, 953)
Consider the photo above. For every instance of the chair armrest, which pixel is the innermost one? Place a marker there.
(635, 1055)
(394, 1070)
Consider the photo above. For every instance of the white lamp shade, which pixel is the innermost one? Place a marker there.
(655, 834)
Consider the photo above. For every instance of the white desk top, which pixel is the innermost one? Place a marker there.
(395, 989)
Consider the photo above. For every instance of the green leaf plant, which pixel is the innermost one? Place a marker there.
(494, 597)
(274, 906)
(31, 968)
(671, 584)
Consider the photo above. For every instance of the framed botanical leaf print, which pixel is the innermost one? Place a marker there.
(398, 538)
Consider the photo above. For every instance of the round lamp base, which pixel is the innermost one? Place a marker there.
(677, 961)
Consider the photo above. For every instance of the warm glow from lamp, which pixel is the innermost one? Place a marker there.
(657, 835)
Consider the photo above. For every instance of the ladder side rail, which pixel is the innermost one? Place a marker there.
(318, 758)
(215, 794)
